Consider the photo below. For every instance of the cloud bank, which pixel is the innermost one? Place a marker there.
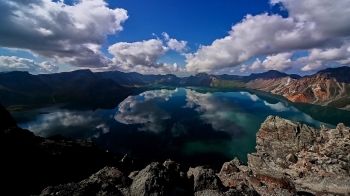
(10, 63)
(65, 33)
(316, 26)
(74, 35)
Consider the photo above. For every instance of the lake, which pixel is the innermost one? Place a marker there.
(196, 126)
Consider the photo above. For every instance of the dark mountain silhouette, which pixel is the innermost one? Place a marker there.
(18, 88)
(136, 79)
(272, 74)
(341, 74)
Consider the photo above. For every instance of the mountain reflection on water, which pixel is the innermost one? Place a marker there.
(195, 126)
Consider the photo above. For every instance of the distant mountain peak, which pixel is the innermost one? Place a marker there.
(82, 71)
(203, 74)
(335, 69)
(272, 74)
(274, 71)
(340, 73)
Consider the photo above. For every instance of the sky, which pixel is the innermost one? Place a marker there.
(180, 37)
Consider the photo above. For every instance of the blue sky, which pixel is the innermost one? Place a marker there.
(181, 37)
(198, 23)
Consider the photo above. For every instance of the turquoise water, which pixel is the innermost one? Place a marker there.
(194, 126)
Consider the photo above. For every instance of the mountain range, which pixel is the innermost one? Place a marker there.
(329, 87)
(22, 88)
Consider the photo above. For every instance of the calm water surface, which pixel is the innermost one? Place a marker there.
(195, 126)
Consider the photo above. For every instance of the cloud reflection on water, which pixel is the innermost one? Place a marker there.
(180, 124)
(86, 124)
(217, 111)
(251, 96)
(143, 109)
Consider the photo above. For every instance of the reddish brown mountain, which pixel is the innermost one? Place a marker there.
(329, 87)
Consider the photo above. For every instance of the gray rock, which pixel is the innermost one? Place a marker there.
(316, 159)
(209, 193)
(204, 179)
(133, 174)
(156, 179)
(107, 181)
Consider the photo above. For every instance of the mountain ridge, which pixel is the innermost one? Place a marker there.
(329, 87)
(22, 88)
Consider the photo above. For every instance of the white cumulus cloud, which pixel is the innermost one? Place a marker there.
(13, 63)
(174, 44)
(60, 32)
(178, 46)
(311, 24)
(141, 57)
(143, 53)
(279, 62)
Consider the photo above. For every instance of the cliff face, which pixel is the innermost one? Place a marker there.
(271, 84)
(330, 87)
(318, 89)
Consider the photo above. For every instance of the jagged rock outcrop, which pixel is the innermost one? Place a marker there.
(156, 180)
(293, 158)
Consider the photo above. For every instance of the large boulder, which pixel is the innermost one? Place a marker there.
(107, 181)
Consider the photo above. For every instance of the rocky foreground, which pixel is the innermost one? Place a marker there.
(291, 159)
